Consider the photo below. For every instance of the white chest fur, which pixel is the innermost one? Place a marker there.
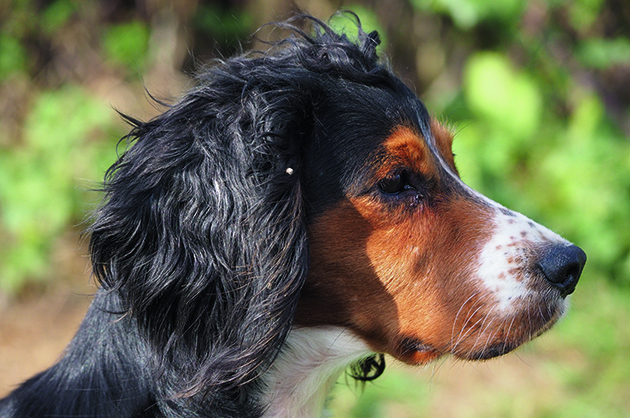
(307, 368)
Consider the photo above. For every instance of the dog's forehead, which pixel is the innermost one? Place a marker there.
(357, 120)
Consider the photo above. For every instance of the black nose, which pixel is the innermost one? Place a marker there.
(562, 266)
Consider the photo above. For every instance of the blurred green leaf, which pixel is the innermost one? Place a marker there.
(604, 53)
(224, 26)
(57, 14)
(468, 13)
(586, 175)
(344, 23)
(62, 119)
(12, 57)
(583, 13)
(39, 193)
(127, 44)
(506, 97)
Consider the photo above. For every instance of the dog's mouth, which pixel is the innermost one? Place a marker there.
(498, 334)
(485, 337)
(420, 353)
(414, 351)
(489, 352)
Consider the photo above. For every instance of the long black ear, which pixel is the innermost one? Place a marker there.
(202, 232)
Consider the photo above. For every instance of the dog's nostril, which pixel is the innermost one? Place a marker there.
(562, 266)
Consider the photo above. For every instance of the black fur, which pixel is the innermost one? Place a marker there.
(201, 244)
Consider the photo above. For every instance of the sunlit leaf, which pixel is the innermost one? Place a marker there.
(346, 24)
(12, 57)
(127, 44)
(503, 95)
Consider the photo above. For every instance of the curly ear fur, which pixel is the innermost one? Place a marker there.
(202, 233)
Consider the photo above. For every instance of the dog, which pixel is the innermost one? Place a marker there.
(296, 215)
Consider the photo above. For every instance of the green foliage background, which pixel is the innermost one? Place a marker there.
(537, 91)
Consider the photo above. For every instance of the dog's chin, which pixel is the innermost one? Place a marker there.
(497, 348)
(424, 355)
(482, 346)
(487, 353)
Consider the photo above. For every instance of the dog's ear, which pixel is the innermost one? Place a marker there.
(202, 233)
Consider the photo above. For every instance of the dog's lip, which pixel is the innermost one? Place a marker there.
(414, 351)
(499, 348)
(489, 352)
(409, 344)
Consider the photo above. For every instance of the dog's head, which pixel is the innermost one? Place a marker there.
(309, 186)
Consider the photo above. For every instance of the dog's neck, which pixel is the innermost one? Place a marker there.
(312, 359)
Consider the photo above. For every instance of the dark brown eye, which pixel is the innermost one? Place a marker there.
(395, 184)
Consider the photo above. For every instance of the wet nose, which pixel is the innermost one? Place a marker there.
(562, 266)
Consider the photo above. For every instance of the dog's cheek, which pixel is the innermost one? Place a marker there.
(427, 264)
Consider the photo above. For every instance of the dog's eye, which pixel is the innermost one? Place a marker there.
(395, 184)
